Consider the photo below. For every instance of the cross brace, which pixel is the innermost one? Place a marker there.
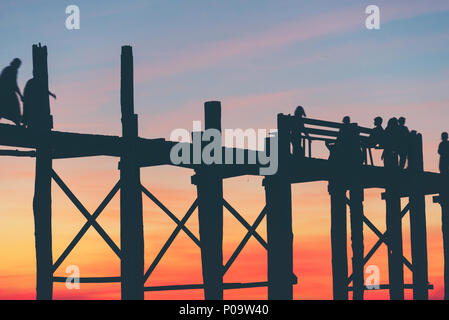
(382, 239)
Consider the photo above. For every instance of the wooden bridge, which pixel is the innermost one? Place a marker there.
(347, 180)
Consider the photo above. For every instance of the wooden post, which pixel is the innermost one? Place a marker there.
(394, 231)
(418, 232)
(280, 239)
(131, 221)
(209, 185)
(353, 173)
(279, 220)
(42, 189)
(356, 207)
(443, 200)
(339, 241)
(445, 229)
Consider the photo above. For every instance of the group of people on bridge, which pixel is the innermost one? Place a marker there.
(31, 97)
(394, 139)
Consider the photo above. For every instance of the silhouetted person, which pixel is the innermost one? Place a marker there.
(32, 115)
(345, 131)
(346, 151)
(403, 142)
(297, 131)
(377, 134)
(390, 154)
(443, 151)
(9, 104)
(375, 139)
(336, 148)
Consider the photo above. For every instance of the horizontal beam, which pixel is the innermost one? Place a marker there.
(226, 286)
(387, 286)
(74, 145)
(154, 152)
(18, 153)
(330, 124)
(88, 279)
(312, 170)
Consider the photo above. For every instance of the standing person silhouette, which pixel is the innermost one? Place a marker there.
(390, 154)
(443, 151)
(10, 107)
(403, 142)
(375, 139)
(297, 131)
(377, 134)
(32, 116)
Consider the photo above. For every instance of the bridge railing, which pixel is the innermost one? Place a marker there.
(311, 130)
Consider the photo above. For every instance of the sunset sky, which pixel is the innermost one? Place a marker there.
(259, 58)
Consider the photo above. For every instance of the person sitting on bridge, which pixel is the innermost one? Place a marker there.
(10, 107)
(403, 143)
(335, 147)
(32, 116)
(377, 134)
(443, 151)
(390, 153)
(347, 145)
(297, 131)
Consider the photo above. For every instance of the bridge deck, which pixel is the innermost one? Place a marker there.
(153, 152)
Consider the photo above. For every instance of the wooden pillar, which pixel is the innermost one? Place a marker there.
(445, 229)
(280, 239)
(352, 170)
(279, 220)
(394, 232)
(356, 209)
(443, 200)
(339, 241)
(42, 188)
(209, 185)
(418, 233)
(131, 221)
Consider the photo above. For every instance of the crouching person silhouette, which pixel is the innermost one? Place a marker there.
(32, 115)
(9, 103)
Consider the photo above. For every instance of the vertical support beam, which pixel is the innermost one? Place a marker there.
(443, 200)
(395, 252)
(42, 188)
(339, 241)
(279, 220)
(210, 213)
(279, 239)
(352, 170)
(418, 233)
(356, 207)
(131, 221)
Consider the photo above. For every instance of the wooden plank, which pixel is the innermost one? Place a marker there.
(88, 279)
(226, 286)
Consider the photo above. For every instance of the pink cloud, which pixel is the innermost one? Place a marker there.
(292, 32)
